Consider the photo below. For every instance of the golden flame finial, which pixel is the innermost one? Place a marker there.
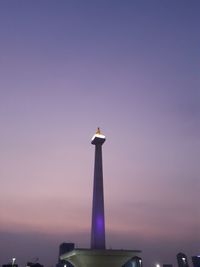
(98, 131)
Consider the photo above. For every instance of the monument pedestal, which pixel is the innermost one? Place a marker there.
(99, 258)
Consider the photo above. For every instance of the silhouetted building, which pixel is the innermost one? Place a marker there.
(196, 261)
(134, 262)
(64, 248)
(182, 260)
(167, 265)
(10, 265)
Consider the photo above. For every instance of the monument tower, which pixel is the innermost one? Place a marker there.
(98, 220)
(98, 255)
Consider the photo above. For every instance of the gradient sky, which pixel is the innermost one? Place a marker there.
(130, 67)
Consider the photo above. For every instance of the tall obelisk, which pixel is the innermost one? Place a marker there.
(98, 220)
(98, 255)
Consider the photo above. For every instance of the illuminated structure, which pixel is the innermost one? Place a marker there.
(98, 255)
(98, 219)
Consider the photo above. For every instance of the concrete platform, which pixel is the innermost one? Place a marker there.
(99, 258)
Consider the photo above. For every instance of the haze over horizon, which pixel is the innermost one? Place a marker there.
(132, 68)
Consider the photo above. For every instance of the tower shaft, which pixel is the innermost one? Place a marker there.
(98, 220)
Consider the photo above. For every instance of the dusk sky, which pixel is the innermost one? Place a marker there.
(130, 67)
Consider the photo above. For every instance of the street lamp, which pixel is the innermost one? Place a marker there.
(13, 261)
(184, 260)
